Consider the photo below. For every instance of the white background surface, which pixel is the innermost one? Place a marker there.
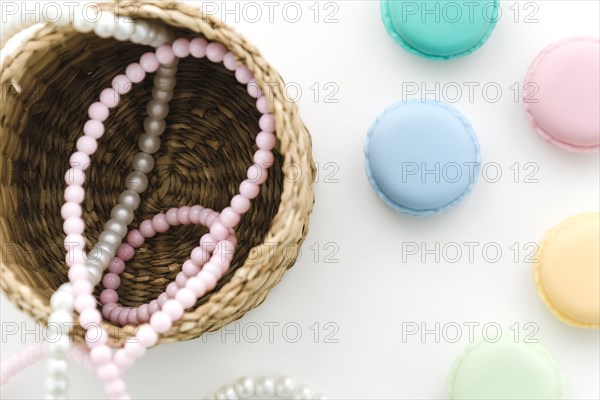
(369, 293)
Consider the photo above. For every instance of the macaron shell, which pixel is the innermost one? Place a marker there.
(424, 136)
(505, 370)
(567, 272)
(562, 94)
(456, 29)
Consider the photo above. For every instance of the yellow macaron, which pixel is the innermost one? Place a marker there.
(567, 270)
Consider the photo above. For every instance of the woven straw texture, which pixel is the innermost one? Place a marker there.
(47, 86)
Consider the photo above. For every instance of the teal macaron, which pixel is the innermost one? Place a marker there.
(440, 29)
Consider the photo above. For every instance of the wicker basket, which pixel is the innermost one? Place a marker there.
(47, 85)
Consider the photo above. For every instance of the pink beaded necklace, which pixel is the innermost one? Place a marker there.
(207, 263)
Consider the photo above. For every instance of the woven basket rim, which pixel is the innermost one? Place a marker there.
(297, 197)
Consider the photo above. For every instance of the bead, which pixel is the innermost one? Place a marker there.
(110, 237)
(164, 54)
(74, 193)
(215, 52)
(204, 215)
(244, 387)
(80, 286)
(194, 214)
(240, 204)
(153, 307)
(71, 209)
(149, 63)
(107, 309)
(95, 336)
(109, 295)
(135, 238)
(302, 393)
(161, 36)
(114, 314)
(74, 225)
(90, 317)
(171, 217)
(61, 301)
(132, 317)
(243, 74)
(266, 141)
(130, 198)
(164, 83)
(198, 47)
(199, 255)
(108, 372)
(267, 123)
(101, 355)
(285, 386)
(123, 213)
(162, 96)
(126, 252)
(219, 231)
(84, 301)
(116, 226)
(122, 360)
(262, 104)
(160, 322)
(181, 48)
(80, 160)
(121, 84)
(197, 286)
(103, 252)
(174, 309)
(59, 347)
(264, 387)
(162, 299)
(264, 158)
(149, 144)
(116, 266)
(115, 388)
(98, 112)
(57, 367)
(146, 336)
(105, 27)
(257, 174)
(226, 393)
(180, 279)
(157, 110)
(147, 229)
(159, 223)
(137, 181)
(230, 61)
(189, 268)
(135, 73)
(123, 316)
(208, 279)
(249, 190)
(143, 315)
(87, 144)
(134, 349)
(186, 297)
(212, 217)
(125, 29)
(167, 72)
(254, 89)
(60, 318)
(172, 289)
(183, 215)
(110, 98)
(56, 386)
(84, 23)
(140, 32)
(94, 129)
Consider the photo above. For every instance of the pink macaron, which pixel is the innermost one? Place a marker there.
(561, 94)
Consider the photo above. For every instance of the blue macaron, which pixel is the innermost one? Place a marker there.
(422, 157)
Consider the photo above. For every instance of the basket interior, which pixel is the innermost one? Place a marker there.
(205, 153)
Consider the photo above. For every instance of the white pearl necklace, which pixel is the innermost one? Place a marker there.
(265, 387)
